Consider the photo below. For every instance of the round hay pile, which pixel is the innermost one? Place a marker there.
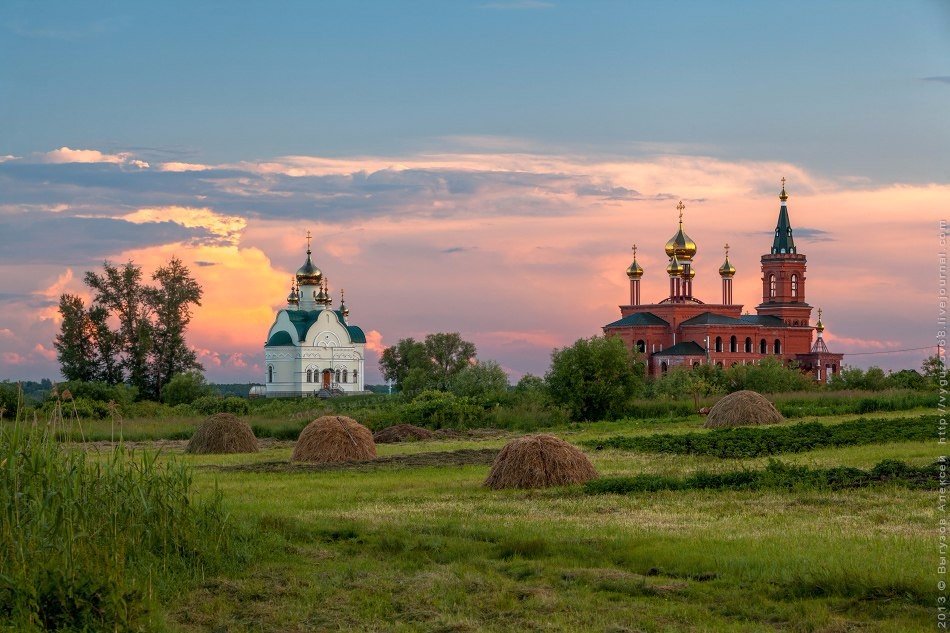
(742, 408)
(539, 461)
(222, 433)
(401, 433)
(333, 439)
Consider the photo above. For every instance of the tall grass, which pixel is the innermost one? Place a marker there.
(92, 542)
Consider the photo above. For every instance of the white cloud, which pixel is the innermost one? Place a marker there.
(68, 155)
(181, 167)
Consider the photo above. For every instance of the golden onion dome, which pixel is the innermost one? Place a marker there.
(309, 274)
(691, 273)
(727, 269)
(675, 268)
(294, 296)
(680, 244)
(634, 270)
(819, 326)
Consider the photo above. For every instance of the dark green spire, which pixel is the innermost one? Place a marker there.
(784, 243)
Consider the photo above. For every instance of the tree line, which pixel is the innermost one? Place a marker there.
(131, 332)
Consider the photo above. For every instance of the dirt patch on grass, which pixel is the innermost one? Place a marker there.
(169, 446)
(463, 457)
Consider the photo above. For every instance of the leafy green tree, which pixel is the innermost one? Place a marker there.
(185, 388)
(908, 379)
(397, 361)
(934, 370)
(530, 383)
(485, 380)
(768, 376)
(75, 342)
(449, 354)
(595, 377)
(170, 302)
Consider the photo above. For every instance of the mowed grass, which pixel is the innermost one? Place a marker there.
(430, 549)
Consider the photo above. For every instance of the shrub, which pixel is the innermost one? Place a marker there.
(796, 438)
(440, 409)
(209, 405)
(185, 388)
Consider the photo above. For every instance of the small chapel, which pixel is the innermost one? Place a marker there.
(682, 330)
(312, 349)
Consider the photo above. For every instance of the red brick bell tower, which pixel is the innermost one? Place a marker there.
(783, 275)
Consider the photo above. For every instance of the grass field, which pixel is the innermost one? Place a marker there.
(397, 547)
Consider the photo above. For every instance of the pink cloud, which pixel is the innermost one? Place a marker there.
(68, 155)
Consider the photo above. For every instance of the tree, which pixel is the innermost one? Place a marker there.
(170, 303)
(75, 342)
(595, 377)
(121, 293)
(934, 370)
(449, 354)
(185, 388)
(485, 380)
(397, 361)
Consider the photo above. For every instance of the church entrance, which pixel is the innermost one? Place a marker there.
(327, 378)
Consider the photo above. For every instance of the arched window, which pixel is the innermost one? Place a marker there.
(748, 345)
(270, 373)
(338, 375)
(641, 346)
(763, 347)
(771, 286)
(354, 376)
(794, 286)
(309, 375)
(719, 364)
(695, 363)
(778, 346)
(733, 344)
(345, 377)
(718, 343)
(663, 367)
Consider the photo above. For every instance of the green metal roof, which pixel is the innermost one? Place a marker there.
(767, 320)
(638, 318)
(784, 243)
(710, 318)
(685, 348)
(280, 338)
(303, 319)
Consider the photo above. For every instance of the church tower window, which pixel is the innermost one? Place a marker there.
(270, 373)
(771, 286)
(794, 286)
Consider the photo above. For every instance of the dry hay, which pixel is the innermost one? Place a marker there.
(742, 408)
(402, 433)
(539, 461)
(332, 439)
(223, 433)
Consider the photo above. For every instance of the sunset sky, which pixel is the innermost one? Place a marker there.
(480, 167)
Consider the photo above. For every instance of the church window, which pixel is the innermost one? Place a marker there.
(354, 376)
(345, 375)
(778, 346)
(663, 367)
(270, 373)
(338, 375)
(309, 375)
(718, 343)
(794, 286)
(763, 347)
(733, 344)
(641, 346)
(695, 363)
(748, 345)
(771, 286)
(719, 364)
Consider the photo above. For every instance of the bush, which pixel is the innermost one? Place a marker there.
(440, 409)
(209, 405)
(768, 376)
(185, 388)
(775, 475)
(594, 378)
(795, 438)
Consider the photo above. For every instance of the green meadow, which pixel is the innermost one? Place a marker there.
(416, 543)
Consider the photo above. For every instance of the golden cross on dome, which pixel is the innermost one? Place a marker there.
(341, 294)
(819, 314)
(727, 250)
(783, 182)
(634, 251)
(681, 206)
(308, 240)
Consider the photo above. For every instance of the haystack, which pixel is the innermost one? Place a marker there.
(401, 433)
(333, 439)
(223, 433)
(539, 461)
(742, 408)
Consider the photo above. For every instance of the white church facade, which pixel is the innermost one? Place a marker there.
(312, 349)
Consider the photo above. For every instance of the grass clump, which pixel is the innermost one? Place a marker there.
(92, 544)
(776, 475)
(760, 442)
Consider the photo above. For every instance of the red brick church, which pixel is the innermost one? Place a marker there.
(681, 330)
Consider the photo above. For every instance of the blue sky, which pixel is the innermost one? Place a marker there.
(838, 86)
(477, 166)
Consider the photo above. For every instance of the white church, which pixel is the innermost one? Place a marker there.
(311, 349)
